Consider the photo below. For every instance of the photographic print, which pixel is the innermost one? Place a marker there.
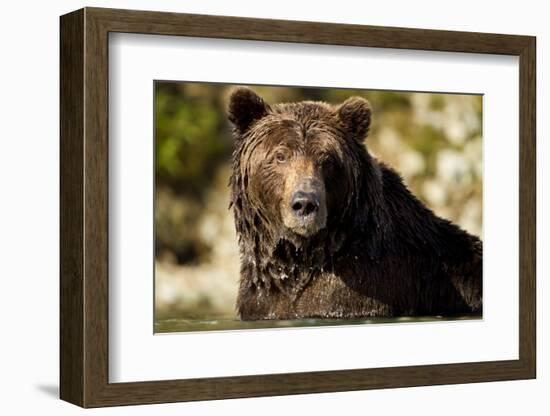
(292, 206)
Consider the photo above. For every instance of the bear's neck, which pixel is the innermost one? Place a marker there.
(269, 260)
(279, 261)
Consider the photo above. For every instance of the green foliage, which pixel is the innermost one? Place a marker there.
(191, 138)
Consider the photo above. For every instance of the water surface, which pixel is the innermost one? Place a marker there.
(171, 324)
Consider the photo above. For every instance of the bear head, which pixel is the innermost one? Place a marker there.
(302, 177)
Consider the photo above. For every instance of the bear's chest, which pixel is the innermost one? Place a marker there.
(327, 295)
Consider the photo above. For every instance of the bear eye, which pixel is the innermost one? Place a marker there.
(328, 162)
(280, 157)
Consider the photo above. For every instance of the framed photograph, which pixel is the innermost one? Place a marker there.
(255, 207)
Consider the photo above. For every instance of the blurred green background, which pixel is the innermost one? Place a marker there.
(433, 140)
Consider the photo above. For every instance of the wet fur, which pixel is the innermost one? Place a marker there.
(382, 253)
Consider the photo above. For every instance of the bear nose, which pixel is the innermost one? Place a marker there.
(304, 203)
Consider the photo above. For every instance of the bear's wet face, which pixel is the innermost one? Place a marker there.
(292, 168)
(288, 183)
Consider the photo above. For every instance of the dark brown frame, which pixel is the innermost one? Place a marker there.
(84, 210)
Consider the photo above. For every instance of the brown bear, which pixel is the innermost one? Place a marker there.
(325, 230)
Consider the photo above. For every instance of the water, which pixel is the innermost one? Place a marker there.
(170, 325)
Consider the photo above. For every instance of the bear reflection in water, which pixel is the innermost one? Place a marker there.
(327, 231)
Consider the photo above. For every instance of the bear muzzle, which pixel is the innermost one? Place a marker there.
(305, 213)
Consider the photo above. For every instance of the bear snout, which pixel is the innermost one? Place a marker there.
(304, 203)
(305, 210)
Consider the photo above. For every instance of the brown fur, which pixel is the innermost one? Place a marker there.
(370, 249)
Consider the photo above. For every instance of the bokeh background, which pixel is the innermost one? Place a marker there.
(433, 140)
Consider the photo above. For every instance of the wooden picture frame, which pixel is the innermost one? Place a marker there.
(84, 207)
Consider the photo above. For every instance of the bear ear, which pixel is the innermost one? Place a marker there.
(246, 107)
(355, 114)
